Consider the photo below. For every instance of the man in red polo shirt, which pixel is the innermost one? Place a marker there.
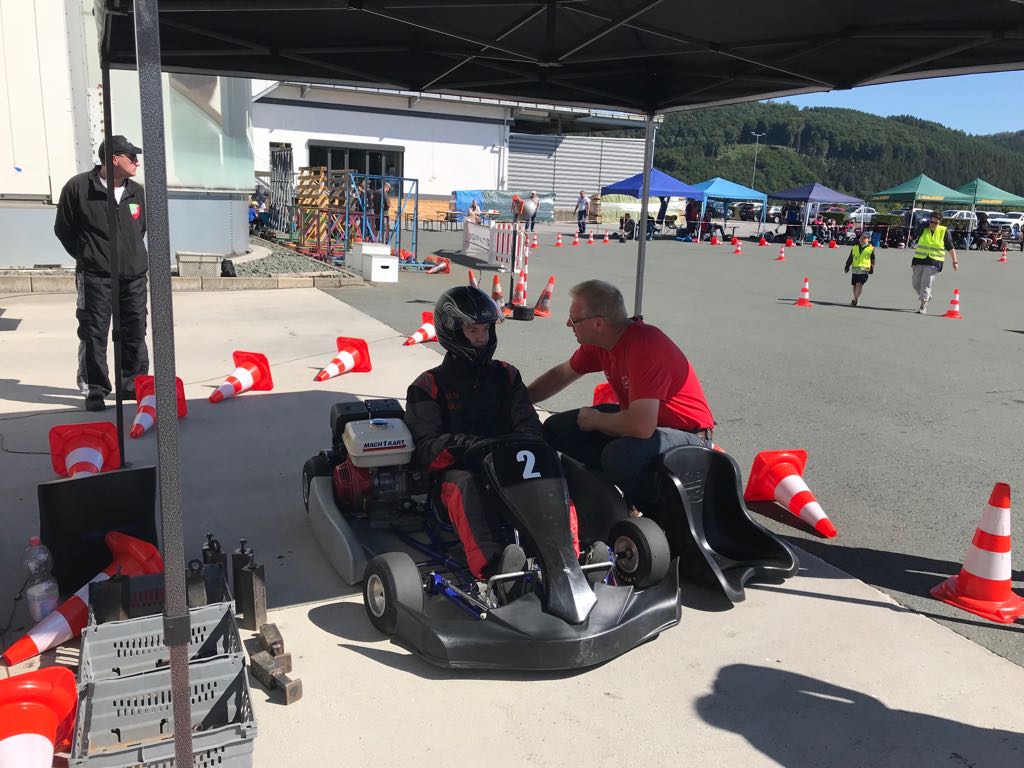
(661, 402)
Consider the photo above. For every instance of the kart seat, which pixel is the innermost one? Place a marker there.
(710, 528)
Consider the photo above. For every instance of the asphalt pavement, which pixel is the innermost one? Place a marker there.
(908, 420)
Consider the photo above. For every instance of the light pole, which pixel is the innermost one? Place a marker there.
(753, 173)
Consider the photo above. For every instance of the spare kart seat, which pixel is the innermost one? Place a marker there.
(709, 527)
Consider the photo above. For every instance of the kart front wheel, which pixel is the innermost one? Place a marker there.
(390, 580)
(315, 466)
(641, 552)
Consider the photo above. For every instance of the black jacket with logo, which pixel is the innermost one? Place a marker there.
(451, 406)
(81, 225)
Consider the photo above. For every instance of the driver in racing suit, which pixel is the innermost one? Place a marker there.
(468, 397)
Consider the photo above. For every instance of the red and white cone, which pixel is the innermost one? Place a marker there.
(543, 306)
(590, 239)
(576, 239)
(737, 248)
(734, 241)
(714, 240)
(1002, 258)
(815, 243)
(442, 267)
(496, 292)
(782, 253)
(789, 242)
(778, 476)
(472, 279)
(536, 241)
(353, 357)
(831, 243)
(145, 395)
(519, 297)
(252, 371)
(606, 239)
(132, 557)
(426, 332)
(84, 449)
(558, 240)
(805, 295)
(761, 242)
(953, 313)
(983, 586)
(603, 393)
(37, 713)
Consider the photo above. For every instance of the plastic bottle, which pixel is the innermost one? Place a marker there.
(41, 592)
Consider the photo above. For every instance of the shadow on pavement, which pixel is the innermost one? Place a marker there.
(14, 390)
(800, 721)
(8, 323)
(847, 305)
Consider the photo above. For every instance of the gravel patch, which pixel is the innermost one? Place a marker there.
(282, 261)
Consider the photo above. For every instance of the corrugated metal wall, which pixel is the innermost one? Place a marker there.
(567, 164)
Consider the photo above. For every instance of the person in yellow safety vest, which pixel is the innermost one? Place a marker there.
(862, 262)
(932, 243)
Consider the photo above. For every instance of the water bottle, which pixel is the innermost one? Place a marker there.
(41, 592)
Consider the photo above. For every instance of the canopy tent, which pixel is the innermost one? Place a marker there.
(982, 193)
(921, 188)
(661, 185)
(650, 59)
(815, 193)
(718, 188)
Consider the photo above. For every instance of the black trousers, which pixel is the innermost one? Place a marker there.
(94, 311)
(479, 529)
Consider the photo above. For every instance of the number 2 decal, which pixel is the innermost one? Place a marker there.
(527, 458)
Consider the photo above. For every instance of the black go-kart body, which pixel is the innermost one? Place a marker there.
(378, 523)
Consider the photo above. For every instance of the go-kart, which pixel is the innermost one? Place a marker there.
(373, 514)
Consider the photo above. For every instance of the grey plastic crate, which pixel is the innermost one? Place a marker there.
(119, 649)
(128, 723)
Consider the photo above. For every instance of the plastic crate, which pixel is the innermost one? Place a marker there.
(198, 264)
(128, 723)
(119, 649)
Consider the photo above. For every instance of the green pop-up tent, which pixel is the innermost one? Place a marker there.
(921, 188)
(982, 193)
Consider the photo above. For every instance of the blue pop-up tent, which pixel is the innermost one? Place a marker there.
(723, 189)
(662, 185)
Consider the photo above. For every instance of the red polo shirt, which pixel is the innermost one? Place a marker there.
(647, 364)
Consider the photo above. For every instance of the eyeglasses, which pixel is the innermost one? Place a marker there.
(133, 159)
(574, 323)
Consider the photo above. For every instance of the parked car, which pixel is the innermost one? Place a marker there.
(860, 214)
(1007, 219)
(774, 214)
(749, 211)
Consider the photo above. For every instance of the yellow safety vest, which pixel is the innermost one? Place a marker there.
(862, 259)
(932, 245)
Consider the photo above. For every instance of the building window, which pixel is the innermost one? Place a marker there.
(373, 162)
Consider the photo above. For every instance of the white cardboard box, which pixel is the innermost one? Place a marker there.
(375, 263)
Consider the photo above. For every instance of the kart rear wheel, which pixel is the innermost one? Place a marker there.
(315, 466)
(641, 552)
(390, 580)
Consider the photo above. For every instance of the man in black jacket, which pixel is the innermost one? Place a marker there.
(466, 398)
(81, 227)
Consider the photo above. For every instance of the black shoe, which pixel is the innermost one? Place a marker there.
(512, 559)
(94, 402)
(598, 552)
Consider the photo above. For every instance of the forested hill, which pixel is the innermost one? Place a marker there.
(851, 151)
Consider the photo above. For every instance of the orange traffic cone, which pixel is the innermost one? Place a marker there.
(543, 306)
(805, 295)
(558, 240)
(353, 357)
(576, 239)
(735, 241)
(145, 395)
(590, 239)
(426, 332)
(831, 243)
(778, 476)
(762, 242)
(953, 313)
(983, 585)
(789, 242)
(37, 713)
(496, 293)
(132, 557)
(815, 243)
(603, 393)
(1002, 258)
(472, 279)
(252, 371)
(536, 241)
(606, 240)
(84, 449)
(782, 253)
(714, 240)
(442, 267)
(519, 296)
(738, 249)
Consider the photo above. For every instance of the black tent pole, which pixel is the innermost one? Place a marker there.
(638, 296)
(115, 259)
(176, 617)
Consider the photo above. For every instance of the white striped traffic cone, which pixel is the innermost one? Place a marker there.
(576, 239)
(805, 295)
(132, 557)
(782, 253)
(353, 357)
(496, 292)
(426, 332)
(37, 712)
(983, 586)
(536, 241)
(606, 239)
(778, 476)
(252, 371)
(519, 296)
(442, 266)
(472, 279)
(953, 313)
(590, 238)
(558, 241)
(543, 306)
(738, 248)
(145, 394)
(84, 449)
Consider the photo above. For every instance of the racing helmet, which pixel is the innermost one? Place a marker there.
(461, 306)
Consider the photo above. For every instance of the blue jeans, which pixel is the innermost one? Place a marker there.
(581, 221)
(627, 461)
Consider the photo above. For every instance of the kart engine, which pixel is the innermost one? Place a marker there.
(376, 474)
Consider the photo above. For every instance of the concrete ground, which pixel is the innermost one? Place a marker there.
(820, 671)
(908, 420)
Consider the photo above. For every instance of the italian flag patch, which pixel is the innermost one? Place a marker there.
(135, 209)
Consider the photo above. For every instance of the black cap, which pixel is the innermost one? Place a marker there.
(119, 146)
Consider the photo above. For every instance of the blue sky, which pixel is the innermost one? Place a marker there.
(978, 104)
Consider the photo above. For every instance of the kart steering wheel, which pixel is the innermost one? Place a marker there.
(481, 448)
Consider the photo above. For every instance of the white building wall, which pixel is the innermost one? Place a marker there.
(445, 146)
